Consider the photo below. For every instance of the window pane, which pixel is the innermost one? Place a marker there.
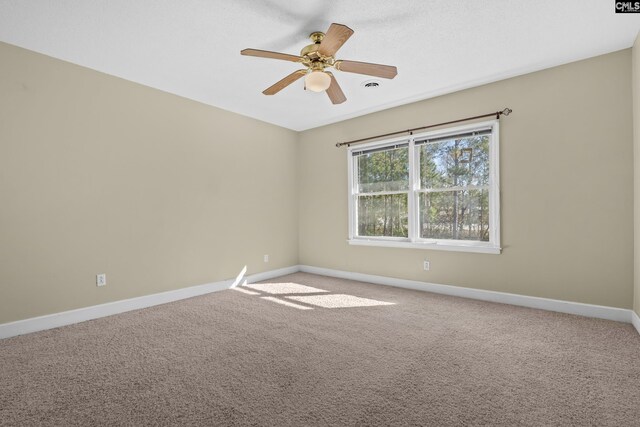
(386, 170)
(455, 163)
(458, 215)
(383, 215)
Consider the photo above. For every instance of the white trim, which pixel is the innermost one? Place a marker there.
(64, 318)
(414, 184)
(382, 193)
(56, 320)
(436, 246)
(379, 143)
(635, 320)
(413, 240)
(452, 131)
(580, 309)
(444, 190)
(266, 275)
(350, 190)
(494, 184)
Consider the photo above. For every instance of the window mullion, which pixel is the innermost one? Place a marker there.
(443, 189)
(411, 203)
(494, 186)
(381, 193)
(353, 202)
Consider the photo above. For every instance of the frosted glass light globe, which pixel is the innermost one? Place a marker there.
(317, 81)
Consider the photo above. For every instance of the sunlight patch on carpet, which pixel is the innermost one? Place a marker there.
(283, 288)
(287, 303)
(338, 301)
(245, 291)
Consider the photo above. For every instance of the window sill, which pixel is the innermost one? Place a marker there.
(482, 249)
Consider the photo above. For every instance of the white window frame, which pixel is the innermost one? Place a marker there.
(414, 240)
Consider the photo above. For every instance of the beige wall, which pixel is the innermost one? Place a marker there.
(636, 161)
(566, 181)
(98, 174)
(101, 175)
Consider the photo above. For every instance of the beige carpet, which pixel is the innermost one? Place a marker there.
(391, 357)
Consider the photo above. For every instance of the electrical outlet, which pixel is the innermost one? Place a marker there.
(101, 279)
(426, 265)
(266, 258)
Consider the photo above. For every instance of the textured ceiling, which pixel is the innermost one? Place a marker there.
(192, 47)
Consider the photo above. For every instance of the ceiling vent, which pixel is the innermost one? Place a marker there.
(371, 84)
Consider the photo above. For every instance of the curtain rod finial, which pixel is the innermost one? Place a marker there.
(507, 111)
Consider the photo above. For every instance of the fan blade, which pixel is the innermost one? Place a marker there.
(269, 54)
(284, 82)
(377, 70)
(336, 36)
(335, 92)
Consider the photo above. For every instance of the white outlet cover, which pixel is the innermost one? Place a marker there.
(426, 265)
(101, 279)
(266, 258)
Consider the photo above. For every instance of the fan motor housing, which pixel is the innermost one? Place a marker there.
(310, 52)
(310, 49)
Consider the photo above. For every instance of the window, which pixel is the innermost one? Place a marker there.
(435, 190)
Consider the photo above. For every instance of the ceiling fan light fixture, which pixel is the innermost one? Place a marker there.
(318, 56)
(317, 81)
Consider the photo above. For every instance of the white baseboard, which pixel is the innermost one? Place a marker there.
(580, 309)
(266, 275)
(635, 320)
(50, 321)
(56, 320)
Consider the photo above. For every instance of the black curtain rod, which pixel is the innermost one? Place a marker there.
(505, 112)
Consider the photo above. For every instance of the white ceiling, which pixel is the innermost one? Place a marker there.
(192, 47)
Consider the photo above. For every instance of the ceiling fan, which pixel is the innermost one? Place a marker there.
(318, 56)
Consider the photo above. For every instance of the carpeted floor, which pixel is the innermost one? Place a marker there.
(390, 357)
